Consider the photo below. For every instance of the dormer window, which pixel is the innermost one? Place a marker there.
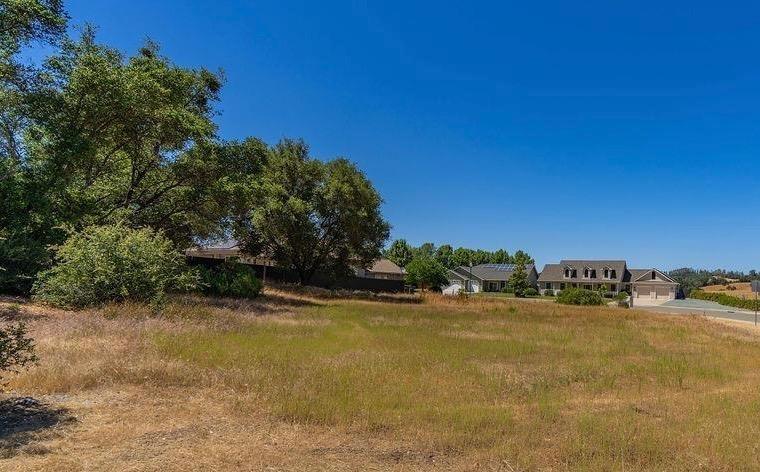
(654, 275)
(589, 273)
(610, 274)
(613, 274)
(570, 273)
(606, 272)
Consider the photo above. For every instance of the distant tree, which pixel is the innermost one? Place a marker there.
(313, 215)
(501, 257)
(522, 257)
(519, 280)
(425, 250)
(463, 257)
(481, 257)
(400, 252)
(445, 255)
(426, 272)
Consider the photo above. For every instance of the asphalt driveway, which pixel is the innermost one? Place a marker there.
(691, 306)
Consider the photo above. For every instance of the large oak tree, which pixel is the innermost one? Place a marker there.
(314, 216)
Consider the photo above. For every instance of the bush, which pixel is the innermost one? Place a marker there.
(728, 300)
(622, 295)
(230, 279)
(16, 349)
(508, 289)
(531, 292)
(113, 263)
(577, 296)
(549, 293)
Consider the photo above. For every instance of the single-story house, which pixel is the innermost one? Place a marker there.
(382, 275)
(646, 286)
(381, 269)
(485, 278)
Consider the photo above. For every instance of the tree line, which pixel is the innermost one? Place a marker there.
(402, 253)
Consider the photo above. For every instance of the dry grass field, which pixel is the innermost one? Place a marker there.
(292, 383)
(742, 289)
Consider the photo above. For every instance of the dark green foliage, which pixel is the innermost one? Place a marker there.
(728, 300)
(531, 292)
(400, 250)
(519, 280)
(314, 215)
(230, 279)
(113, 263)
(578, 296)
(16, 348)
(426, 272)
(622, 295)
(549, 293)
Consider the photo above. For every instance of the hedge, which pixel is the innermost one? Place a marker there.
(728, 300)
(577, 296)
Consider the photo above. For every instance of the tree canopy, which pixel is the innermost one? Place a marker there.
(426, 272)
(401, 253)
(313, 215)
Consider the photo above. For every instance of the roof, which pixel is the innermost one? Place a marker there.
(555, 272)
(385, 266)
(489, 271)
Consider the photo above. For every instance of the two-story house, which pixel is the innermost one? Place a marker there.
(610, 276)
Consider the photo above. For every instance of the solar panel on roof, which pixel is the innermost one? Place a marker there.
(501, 267)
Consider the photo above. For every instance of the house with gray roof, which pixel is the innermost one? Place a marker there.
(646, 286)
(486, 278)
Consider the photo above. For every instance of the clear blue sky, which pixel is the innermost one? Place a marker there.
(557, 127)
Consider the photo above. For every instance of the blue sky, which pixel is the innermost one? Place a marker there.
(555, 127)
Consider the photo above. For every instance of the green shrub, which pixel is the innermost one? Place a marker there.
(531, 292)
(507, 289)
(622, 295)
(728, 300)
(577, 296)
(231, 279)
(113, 263)
(549, 293)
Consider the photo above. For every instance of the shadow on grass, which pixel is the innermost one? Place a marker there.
(24, 420)
(16, 312)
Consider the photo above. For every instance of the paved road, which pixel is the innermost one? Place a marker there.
(701, 307)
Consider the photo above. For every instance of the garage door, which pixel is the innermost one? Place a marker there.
(644, 291)
(663, 292)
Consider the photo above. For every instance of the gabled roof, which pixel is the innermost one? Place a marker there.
(555, 272)
(638, 274)
(385, 266)
(488, 271)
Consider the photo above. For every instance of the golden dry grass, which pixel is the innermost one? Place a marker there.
(293, 383)
(743, 290)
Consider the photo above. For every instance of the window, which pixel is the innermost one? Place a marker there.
(587, 287)
(654, 275)
(562, 286)
(570, 273)
(586, 272)
(548, 286)
(503, 284)
(613, 288)
(593, 273)
(606, 273)
(613, 274)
